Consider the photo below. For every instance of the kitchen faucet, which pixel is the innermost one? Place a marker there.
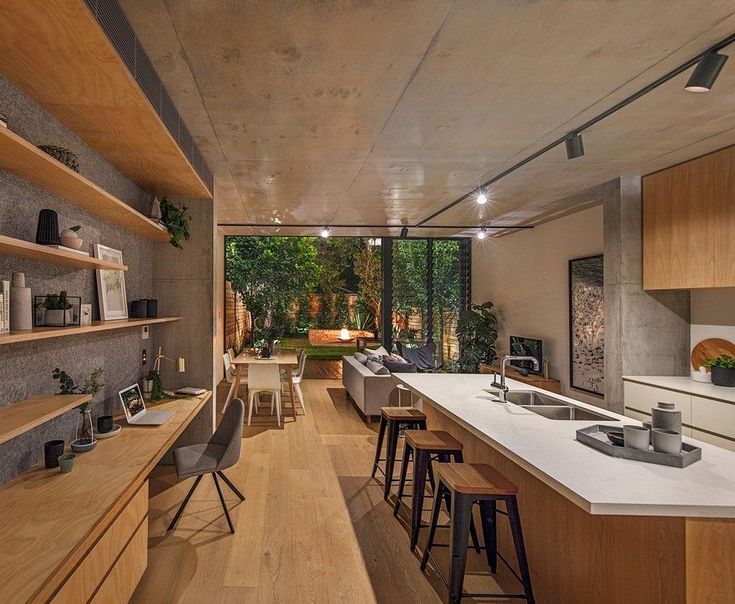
(503, 389)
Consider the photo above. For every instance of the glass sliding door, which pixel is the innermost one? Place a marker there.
(446, 298)
(410, 290)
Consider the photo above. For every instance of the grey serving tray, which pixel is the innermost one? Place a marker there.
(596, 437)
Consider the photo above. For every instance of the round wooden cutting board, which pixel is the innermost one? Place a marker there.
(711, 348)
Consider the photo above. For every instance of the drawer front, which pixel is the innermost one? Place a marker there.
(714, 416)
(93, 568)
(120, 584)
(706, 437)
(641, 398)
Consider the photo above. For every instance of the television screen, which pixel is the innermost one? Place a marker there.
(527, 347)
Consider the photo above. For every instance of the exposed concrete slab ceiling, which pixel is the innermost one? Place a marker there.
(382, 112)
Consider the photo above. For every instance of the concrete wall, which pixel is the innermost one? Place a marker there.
(646, 333)
(526, 275)
(26, 368)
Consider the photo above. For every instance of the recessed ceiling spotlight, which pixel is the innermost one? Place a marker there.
(574, 145)
(325, 232)
(481, 196)
(482, 233)
(404, 232)
(706, 72)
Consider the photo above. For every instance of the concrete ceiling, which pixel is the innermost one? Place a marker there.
(382, 112)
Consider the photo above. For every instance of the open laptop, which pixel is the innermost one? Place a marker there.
(135, 411)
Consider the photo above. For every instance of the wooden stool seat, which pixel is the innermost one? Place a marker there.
(402, 414)
(475, 479)
(433, 440)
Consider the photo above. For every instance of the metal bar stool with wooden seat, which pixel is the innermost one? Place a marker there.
(394, 419)
(467, 484)
(422, 445)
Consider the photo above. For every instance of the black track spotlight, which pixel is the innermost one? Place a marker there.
(481, 196)
(325, 233)
(705, 73)
(575, 146)
(481, 233)
(404, 232)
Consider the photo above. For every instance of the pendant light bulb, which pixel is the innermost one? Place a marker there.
(325, 232)
(481, 197)
(482, 233)
(705, 73)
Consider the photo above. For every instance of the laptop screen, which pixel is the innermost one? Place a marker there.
(132, 400)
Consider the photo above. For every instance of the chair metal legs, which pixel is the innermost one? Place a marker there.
(234, 489)
(183, 504)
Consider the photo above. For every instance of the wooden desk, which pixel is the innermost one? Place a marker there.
(286, 359)
(80, 536)
(550, 384)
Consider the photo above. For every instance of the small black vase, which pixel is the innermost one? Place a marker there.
(47, 231)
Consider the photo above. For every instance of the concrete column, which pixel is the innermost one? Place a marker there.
(646, 333)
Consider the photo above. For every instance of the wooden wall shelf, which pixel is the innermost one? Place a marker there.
(25, 415)
(20, 157)
(55, 51)
(42, 253)
(43, 333)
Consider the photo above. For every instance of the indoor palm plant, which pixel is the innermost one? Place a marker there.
(477, 333)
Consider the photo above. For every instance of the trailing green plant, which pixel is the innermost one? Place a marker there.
(477, 334)
(92, 385)
(176, 221)
(156, 385)
(56, 302)
(725, 361)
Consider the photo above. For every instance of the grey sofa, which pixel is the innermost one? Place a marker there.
(370, 392)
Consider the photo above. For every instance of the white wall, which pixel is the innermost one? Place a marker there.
(712, 314)
(525, 274)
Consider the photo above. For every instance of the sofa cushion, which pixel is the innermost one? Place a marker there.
(379, 351)
(377, 368)
(398, 366)
(360, 357)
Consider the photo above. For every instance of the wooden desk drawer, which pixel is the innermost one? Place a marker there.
(129, 568)
(92, 570)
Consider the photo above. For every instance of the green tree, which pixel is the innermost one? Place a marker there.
(410, 279)
(335, 257)
(270, 273)
(446, 289)
(369, 271)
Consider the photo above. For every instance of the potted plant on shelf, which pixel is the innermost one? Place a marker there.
(176, 221)
(85, 440)
(723, 370)
(477, 333)
(57, 310)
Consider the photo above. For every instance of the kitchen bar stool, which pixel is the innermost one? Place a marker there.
(394, 419)
(467, 484)
(421, 445)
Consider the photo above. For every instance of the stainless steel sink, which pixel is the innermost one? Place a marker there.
(552, 407)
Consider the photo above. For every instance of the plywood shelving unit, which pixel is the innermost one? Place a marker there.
(25, 415)
(44, 333)
(41, 253)
(20, 157)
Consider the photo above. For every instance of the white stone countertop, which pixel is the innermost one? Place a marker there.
(548, 449)
(686, 385)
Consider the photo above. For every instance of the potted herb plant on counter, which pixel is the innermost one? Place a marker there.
(723, 370)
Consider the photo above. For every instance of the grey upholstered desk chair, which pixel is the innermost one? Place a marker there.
(221, 452)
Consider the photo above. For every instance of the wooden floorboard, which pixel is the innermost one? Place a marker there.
(313, 528)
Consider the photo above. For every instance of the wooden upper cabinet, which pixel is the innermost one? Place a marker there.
(689, 224)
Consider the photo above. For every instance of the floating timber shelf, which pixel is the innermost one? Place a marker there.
(20, 157)
(43, 253)
(43, 333)
(25, 415)
(57, 52)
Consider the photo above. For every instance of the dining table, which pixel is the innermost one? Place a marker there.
(285, 359)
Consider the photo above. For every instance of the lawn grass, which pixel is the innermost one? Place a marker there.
(322, 353)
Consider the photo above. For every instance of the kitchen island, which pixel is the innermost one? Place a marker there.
(596, 527)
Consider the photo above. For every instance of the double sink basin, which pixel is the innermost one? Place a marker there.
(553, 408)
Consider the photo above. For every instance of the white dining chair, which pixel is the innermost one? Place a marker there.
(264, 377)
(297, 377)
(229, 369)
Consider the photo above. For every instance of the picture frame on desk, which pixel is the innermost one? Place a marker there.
(111, 291)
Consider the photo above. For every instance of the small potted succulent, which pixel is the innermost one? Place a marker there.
(57, 310)
(723, 370)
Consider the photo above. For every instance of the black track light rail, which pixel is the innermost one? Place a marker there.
(271, 225)
(608, 112)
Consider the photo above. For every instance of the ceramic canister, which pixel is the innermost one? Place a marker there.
(666, 417)
(21, 313)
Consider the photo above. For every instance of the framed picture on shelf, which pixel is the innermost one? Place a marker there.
(587, 325)
(111, 285)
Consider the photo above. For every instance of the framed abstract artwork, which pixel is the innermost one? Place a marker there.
(587, 325)
(111, 285)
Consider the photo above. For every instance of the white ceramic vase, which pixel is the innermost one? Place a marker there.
(21, 307)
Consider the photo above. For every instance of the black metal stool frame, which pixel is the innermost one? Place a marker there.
(459, 529)
(395, 427)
